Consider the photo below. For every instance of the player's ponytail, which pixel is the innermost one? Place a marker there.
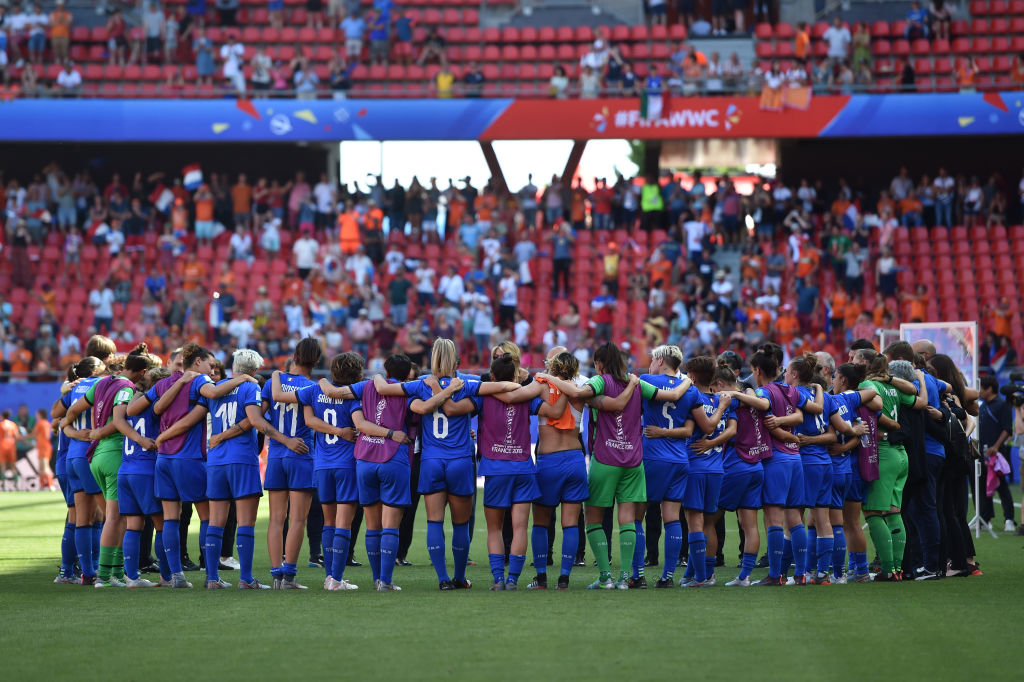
(88, 366)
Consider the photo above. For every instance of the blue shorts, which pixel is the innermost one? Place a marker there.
(233, 481)
(179, 479)
(742, 489)
(386, 482)
(454, 475)
(562, 477)
(80, 477)
(65, 488)
(665, 480)
(817, 484)
(841, 484)
(504, 490)
(135, 495)
(289, 473)
(858, 489)
(702, 491)
(337, 486)
(783, 481)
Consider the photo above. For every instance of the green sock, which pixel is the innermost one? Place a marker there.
(882, 537)
(106, 563)
(899, 537)
(118, 563)
(599, 546)
(627, 543)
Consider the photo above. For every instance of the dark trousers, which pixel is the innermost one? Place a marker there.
(315, 527)
(227, 547)
(409, 518)
(720, 531)
(652, 532)
(357, 522)
(1005, 497)
(146, 542)
(562, 275)
(922, 512)
(953, 515)
(183, 520)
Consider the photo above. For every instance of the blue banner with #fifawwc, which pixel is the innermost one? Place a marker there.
(37, 395)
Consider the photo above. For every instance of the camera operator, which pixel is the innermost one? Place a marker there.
(995, 425)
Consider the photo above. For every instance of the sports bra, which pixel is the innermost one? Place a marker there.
(569, 420)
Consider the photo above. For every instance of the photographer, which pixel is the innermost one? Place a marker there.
(995, 424)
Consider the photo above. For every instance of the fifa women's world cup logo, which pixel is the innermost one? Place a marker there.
(510, 413)
(381, 404)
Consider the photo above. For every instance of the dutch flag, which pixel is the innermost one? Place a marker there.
(192, 176)
(162, 198)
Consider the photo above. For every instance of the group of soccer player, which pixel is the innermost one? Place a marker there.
(809, 451)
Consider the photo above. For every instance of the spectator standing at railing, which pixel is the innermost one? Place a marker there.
(261, 64)
(590, 84)
(37, 23)
(117, 38)
(558, 86)
(154, 26)
(60, 31)
(802, 42)
(838, 38)
(403, 37)
(380, 34)
(202, 46)
(473, 81)
(306, 80)
(231, 55)
(354, 27)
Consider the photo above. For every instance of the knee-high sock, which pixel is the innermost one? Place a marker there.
(67, 550)
(673, 545)
(787, 554)
(214, 538)
(812, 549)
(709, 564)
(838, 549)
(639, 547)
(373, 552)
(825, 545)
(245, 543)
(327, 549)
(881, 536)
(570, 545)
(599, 546)
(859, 562)
(775, 541)
(117, 566)
(83, 546)
(339, 554)
(515, 566)
(539, 542)
(161, 555)
(799, 536)
(497, 564)
(131, 544)
(203, 525)
(627, 543)
(460, 549)
(106, 563)
(899, 537)
(97, 532)
(172, 545)
(698, 556)
(436, 549)
(747, 563)
(388, 552)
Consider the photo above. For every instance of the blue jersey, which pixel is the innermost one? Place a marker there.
(330, 452)
(135, 460)
(445, 437)
(815, 425)
(710, 462)
(287, 417)
(77, 448)
(846, 405)
(195, 440)
(668, 416)
(935, 388)
(227, 411)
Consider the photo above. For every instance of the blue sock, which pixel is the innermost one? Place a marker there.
(161, 555)
(203, 525)
(812, 549)
(825, 547)
(245, 542)
(460, 549)
(838, 549)
(799, 536)
(497, 562)
(747, 564)
(859, 562)
(775, 541)
(709, 564)
(130, 546)
(639, 549)
(67, 551)
(214, 538)
(673, 545)
(698, 556)
(689, 572)
(436, 550)
(787, 554)
(388, 552)
(97, 531)
(570, 543)
(342, 542)
(373, 552)
(539, 541)
(327, 547)
(276, 571)
(83, 546)
(172, 546)
(288, 569)
(515, 567)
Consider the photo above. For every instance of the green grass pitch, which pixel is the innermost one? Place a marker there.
(957, 629)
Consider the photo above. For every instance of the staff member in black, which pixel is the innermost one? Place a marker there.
(995, 426)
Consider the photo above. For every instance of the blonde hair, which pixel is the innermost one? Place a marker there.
(444, 358)
(510, 348)
(672, 355)
(246, 361)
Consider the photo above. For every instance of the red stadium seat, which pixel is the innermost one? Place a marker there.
(880, 29)
(763, 31)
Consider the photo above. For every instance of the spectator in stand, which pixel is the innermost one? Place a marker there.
(917, 22)
(202, 46)
(473, 81)
(966, 72)
(838, 38)
(558, 86)
(227, 11)
(940, 16)
(433, 48)
(590, 84)
(687, 12)
(69, 81)
(154, 27)
(260, 65)
(37, 22)
(719, 17)
(117, 41)
(657, 12)
(602, 307)
(629, 86)
(276, 13)
(16, 28)
(403, 37)
(861, 41)
(305, 251)
(802, 43)
(945, 194)
(443, 82)
(315, 13)
(172, 32)
(340, 76)
(306, 80)
(60, 32)
(231, 54)
(380, 35)
(354, 27)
